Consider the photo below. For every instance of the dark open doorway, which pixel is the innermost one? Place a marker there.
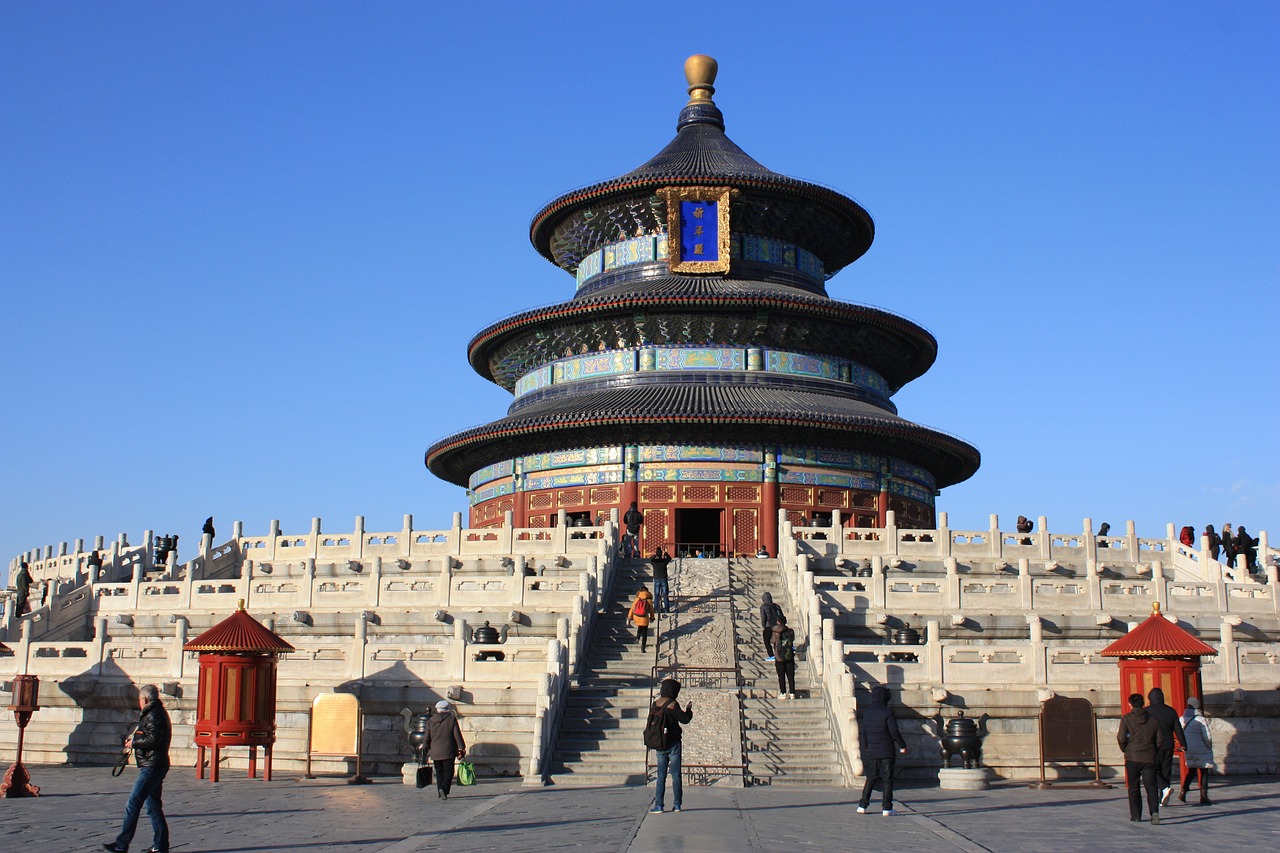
(699, 531)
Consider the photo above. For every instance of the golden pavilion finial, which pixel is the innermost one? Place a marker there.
(240, 604)
(700, 70)
(1155, 608)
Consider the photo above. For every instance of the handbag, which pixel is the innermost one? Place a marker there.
(424, 776)
(121, 763)
(466, 773)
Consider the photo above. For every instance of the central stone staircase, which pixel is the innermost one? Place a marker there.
(600, 739)
(788, 741)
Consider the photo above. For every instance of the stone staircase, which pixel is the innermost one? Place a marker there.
(787, 741)
(600, 734)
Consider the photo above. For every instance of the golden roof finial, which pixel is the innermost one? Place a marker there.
(240, 604)
(1155, 608)
(700, 70)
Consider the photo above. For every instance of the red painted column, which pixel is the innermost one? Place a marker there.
(882, 505)
(630, 483)
(769, 504)
(520, 504)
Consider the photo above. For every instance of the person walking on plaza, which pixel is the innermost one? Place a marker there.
(1171, 729)
(880, 744)
(150, 745)
(669, 756)
(1199, 757)
(769, 613)
(1141, 740)
(633, 520)
(639, 615)
(444, 745)
(661, 561)
(784, 658)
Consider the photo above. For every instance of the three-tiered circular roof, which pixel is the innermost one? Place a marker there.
(649, 305)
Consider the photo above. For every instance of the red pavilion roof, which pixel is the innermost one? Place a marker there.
(239, 632)
(1157, 637)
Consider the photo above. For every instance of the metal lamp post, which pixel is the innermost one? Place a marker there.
(26, 698)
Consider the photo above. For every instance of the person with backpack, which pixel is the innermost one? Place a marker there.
(662, 734)
(784, 652)
(1215, 543)
(880, 743)
(769, 613)
(639, 615)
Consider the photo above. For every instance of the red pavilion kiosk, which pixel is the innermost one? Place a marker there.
(1157, 653)
(237, 690)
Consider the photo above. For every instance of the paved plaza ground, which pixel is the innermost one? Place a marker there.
(80, 808)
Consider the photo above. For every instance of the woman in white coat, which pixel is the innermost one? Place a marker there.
(1199, 757)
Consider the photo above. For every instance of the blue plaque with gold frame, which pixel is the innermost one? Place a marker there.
(697, 228)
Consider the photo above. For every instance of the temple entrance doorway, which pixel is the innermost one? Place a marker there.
(699, 531)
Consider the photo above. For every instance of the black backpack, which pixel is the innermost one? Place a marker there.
(655, 728)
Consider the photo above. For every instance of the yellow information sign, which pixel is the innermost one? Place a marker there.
(335, 725)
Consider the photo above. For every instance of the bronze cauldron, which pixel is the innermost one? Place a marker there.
(962, 738)
(904, 636)
(418, 735)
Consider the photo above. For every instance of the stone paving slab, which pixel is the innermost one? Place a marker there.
(81, 808)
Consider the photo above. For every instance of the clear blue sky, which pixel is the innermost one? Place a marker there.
(243, 245)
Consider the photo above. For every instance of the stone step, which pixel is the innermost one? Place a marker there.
(586, 765)
(568, 778)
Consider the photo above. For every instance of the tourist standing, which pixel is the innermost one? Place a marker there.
(880, 743)
(669, 757)
(1171, 729)
(207, 530)
(633, 520)
(150, 745)
(1199, 755)
(22, 584)
(1215, 543)
(769, 613)
(1246, 545)
(661, 561)
(639, 615)
(784, 654)
(1188, 536)
(444, 745)
(1025, 525)
(1141, 740)
(1228, 545)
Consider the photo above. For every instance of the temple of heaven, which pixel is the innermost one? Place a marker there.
(700, 369)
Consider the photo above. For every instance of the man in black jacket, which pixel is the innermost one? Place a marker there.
(1141, 739)
(632, 520)
(661, 560)
(150, 745)
(1170, 729)
(878, 738)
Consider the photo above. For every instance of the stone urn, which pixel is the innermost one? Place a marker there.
(961, 737)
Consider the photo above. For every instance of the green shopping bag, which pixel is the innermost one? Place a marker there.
(466, 773)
